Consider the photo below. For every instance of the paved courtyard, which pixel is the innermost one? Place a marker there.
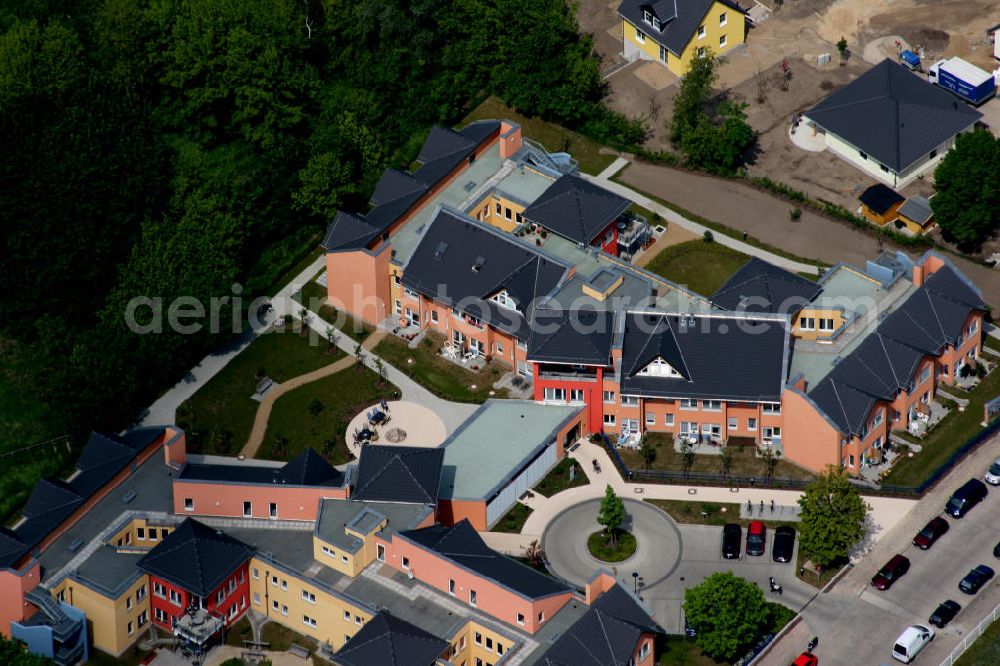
(419, 425)
(669, 559)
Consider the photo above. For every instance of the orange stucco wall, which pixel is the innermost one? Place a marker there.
(454, 511)
(13, 586)
(358, 283)
(226, 499)
(808, 439)
(491, 598)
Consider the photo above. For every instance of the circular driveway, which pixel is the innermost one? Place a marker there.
(657, 554)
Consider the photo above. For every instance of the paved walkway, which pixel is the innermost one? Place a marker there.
(604, 180)
(267, 404)
(421, 426)
(886, 511)
(220, 654)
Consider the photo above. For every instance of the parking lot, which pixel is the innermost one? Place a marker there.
(856, 614)
(669, 559)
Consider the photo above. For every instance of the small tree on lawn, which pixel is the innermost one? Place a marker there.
(611, 515)
(786, 74)
(648, 452)
(728, 614)
(380, 369)
(770, 458)
(303, 320)
(832, 517)
(280, 446)
(687, 457)
(331, 338)
(725, 461)
(359, 354)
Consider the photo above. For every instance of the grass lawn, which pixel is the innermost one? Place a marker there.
(985, 651)
(219, 417)
(438, 375)
(817, 580)
(552, 136)
(513, 520)
(745, 463)
(239, 632)
(947, 436)
(702, 267)
(313, 296)
(599, 547)
(557, 480)
(342, 396)
(281, 638)
(709, 513)
(681, 651)
(130, 657)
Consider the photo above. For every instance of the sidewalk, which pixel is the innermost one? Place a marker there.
(604, 180)
(886, 512)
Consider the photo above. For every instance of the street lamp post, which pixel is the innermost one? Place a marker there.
(635, 582)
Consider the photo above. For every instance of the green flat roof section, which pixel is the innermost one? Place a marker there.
(494, 445)
(524, 185)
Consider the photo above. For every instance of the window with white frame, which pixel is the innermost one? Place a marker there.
(663, 53)
(498, 348)
(128, 602)
(188, 504)
(399, 307)
(711, 405)
(142, 619)
(175, 597)
(256, 598)
(434, 316)
(159, 590)
(732, 423)
(503, 299)
(640, 36)
(309, 596)
(659, 368)
(751, 424)
(771, 408)
(879, 417)
(609, 419)
(701, 31)
(477, 638)
(668, 419)
(451, 586)
(630, 401)
(410, 293)
(555, 394)
(140, 593)
(973, 327)
(129, 627)
(722, 19)
(650, 418)
(807, 323)
(688, 403)
(247, 509)
(284, 610)
(722, 40)
(472, 597)
(609, 397)
(576, 395)
(701, 51)
(826, 324)
(308, 621)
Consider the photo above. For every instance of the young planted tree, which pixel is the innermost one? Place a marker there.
(359, 355)
(725, 461)
(842, 50)
(687, 457)
(770, 458)
(728, 614)
(611, 515)
(331, 339)
(535, 555)
(832, 517)
(648, 452)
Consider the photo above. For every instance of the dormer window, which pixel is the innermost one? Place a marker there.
(503, 299)
(659, 368)
(648, 17)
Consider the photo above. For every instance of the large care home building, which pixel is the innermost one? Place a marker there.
(365, 572)
(672, 32)
(821, 371)
(890, 123)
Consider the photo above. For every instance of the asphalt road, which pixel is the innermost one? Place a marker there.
(669, 559)
(857, 624)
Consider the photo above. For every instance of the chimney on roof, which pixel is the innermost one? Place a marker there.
(510, 139)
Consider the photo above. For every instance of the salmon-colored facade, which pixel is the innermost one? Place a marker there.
(281, 502)
(471, 588)
(358, 282)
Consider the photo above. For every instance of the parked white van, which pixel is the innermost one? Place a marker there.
(911, 642)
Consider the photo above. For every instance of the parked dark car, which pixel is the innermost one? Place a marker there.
(932, 532)
(944, 613)
(732, 540)
(784, 544)
(893, 570)
(966, 497)
(756, 538)
(975, 579)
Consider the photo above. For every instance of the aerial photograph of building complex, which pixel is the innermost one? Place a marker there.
(380, 333)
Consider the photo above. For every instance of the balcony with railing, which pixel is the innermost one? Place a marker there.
(568, 373)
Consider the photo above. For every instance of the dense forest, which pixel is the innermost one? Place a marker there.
(179, 147)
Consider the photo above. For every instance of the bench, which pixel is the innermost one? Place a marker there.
(298, 651)
(263, 386)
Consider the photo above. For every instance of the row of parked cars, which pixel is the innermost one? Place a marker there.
(916, 637)
(756, 544)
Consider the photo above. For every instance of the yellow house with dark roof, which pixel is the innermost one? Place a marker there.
(673, 32)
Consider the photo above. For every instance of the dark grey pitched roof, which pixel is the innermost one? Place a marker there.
(462, 545)
(606, 635)
(196, 557)
(386, 640)
(306, 469)
(681, 17)
(893, 115)
(759, 286)
(880, 198)
(463, 263)
(571, 336)
(397, 191)
(348, 231)
(576, 209)
(398, 474)
(719, 357)
(885, 362)
(918, 209)
(53, 501)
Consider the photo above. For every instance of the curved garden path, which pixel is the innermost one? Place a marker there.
(267, 404)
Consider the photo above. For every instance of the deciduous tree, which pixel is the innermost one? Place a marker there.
(728, 614)
(832, 517)
(611, 514)
(967, 182)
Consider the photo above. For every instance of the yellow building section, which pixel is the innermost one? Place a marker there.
(914, 227)
(817, 323)
(473, 642)
(302, 606)
(499, 211)
(349, 564)
(721, 29)
(139, 534)
(114, 623)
